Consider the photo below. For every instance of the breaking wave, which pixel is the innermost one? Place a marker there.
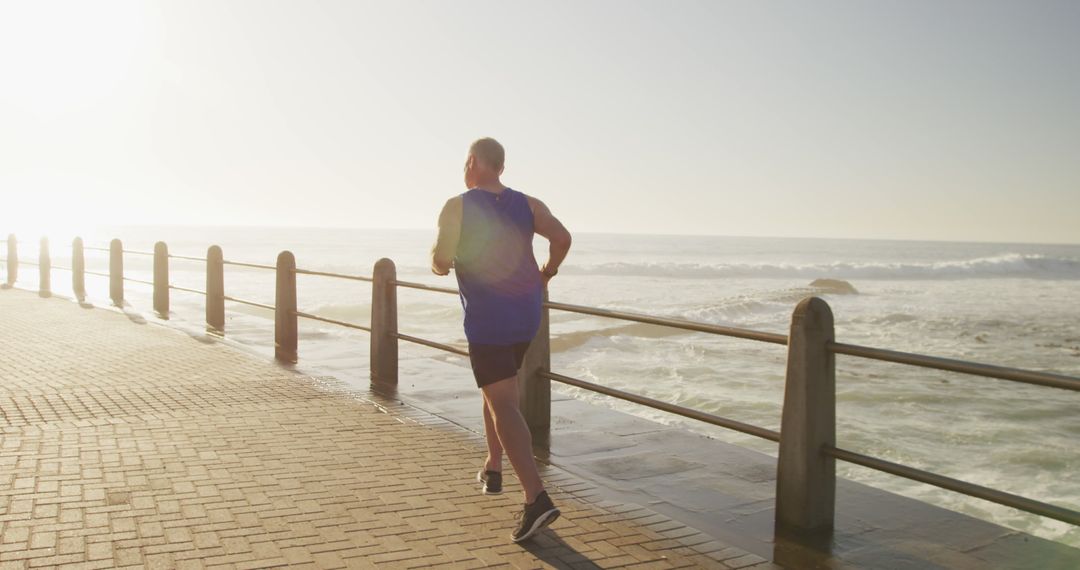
(1013, 265)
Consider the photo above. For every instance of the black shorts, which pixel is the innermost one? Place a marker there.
(494, 362)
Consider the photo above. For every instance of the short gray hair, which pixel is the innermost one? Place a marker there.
(489, 151)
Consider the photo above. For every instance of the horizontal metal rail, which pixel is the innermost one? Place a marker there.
(253, 265)
(664, 406)
(961, 366)
(432, 344)
(186, 257)
(773, 338)
(422, 287)
(131, 251)
(635, 317)
(185, 289)
(963, 487)
(251, 303)
(133, 280)
(98, 273)
(331, 321)
(337, 275)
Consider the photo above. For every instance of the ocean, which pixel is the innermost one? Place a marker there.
(1007, 304)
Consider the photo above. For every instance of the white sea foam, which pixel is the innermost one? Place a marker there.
(1010, 265)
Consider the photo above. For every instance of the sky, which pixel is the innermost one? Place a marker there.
(886, 120)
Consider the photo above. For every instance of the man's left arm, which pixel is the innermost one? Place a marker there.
(445, 248)
(547, 225)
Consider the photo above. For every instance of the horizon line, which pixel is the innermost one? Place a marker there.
(603, 233)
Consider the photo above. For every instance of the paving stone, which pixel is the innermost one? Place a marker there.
(126, 444)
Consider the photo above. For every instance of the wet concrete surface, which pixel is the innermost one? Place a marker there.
(727, 491)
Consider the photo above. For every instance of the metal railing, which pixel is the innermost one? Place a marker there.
(805, 495)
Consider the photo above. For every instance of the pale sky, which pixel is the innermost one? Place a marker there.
(910, 120)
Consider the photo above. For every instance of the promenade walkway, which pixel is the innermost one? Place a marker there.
(136, 445)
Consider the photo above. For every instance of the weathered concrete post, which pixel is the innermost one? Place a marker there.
(384, 329)
(161, 279)
(12, 261)
(536, 390)
(285, 333)
(215, 290)
(44, 269)
(806, 477)
(78, 270)
(116, 272)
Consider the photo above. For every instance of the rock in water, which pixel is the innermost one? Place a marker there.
(834, 286)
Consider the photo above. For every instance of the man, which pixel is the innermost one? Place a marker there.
(486, 235)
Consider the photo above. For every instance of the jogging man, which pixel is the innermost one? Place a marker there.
(486, 235)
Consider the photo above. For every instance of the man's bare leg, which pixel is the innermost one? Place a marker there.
(495, 449)
(513, 432)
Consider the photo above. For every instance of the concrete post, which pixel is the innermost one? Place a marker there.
(285, 333)
(12, 261)
(161, 279)
(536, 391)
(806, 477)
(215, 290)
(116, 272)
(384, 329)
(44, 269)
(78, 270)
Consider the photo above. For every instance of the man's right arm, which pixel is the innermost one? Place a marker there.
(445, 248)
(547, 225)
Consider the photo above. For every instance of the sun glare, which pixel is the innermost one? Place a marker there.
(49, 215)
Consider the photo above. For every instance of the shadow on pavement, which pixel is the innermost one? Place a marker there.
(550, 548)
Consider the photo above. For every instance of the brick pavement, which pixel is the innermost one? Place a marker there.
(136, 445)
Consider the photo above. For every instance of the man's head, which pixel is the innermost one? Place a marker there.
(485, 162)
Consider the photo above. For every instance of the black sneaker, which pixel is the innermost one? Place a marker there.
(492, 481)
(534, 517)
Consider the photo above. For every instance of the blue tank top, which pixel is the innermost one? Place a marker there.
(500, 283)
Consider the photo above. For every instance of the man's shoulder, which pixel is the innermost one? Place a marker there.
(455, 201)
(534, 203)
(452, 209)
